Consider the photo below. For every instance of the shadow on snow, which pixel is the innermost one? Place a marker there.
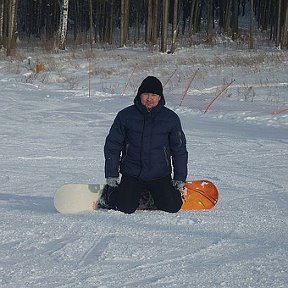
(37, 204)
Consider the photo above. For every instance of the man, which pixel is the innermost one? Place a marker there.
(144, 143)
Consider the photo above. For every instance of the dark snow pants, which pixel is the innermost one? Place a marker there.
(165, 196)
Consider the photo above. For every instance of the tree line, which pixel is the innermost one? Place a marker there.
(122, 22)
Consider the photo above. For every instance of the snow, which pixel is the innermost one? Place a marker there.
(53, 133)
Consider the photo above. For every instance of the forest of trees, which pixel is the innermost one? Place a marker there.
(55, 23)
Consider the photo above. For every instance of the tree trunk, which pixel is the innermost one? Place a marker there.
(278, 24)
(63, 24)
(11, 35)
(1, 23)
(285, 30)
(149, 22)
(124, 22)
(110, 36)
(76, 20)
(174, 26)
(164, 29)
(209, 20)
(221, 14)
(191, 20)
(251, 40)
(91, 23)
(155, 22)
(197, 18)
(51, 21)
(137, 22)
(39, 16)
(234, 19)
(227, 15)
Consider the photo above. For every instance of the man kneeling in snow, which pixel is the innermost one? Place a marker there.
(145, 141)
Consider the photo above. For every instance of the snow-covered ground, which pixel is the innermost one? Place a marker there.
(52, 131)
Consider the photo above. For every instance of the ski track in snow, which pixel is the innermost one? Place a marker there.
(51, 135)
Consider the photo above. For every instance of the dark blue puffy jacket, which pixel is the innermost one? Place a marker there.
(144, 144)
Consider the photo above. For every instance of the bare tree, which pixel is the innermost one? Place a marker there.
(285, 30)
(155, 26)
(63, 24)
(1, 23)
(99, 19)
(197, 18)
(174, 26)
(110, 35)
(152, 22)
(77, 20)
(191, 19)
(251, 40)
(124, 22)
(149, 22)
(209, 20)
(227, 14)
(11, 31)
(164, 30)
(91, 22)
(39, 17)
(279, 23)
(234, 19)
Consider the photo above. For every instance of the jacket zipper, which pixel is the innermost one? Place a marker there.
(141, 150)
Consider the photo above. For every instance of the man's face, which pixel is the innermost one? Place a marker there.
(149, 100)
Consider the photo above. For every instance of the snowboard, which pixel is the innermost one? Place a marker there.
(75, 198)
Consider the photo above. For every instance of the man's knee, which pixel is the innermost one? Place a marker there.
(172, 206)
(165, 196)
(128, 195)
(127, 207)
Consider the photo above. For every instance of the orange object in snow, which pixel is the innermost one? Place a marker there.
(39, 67)
(199, 195)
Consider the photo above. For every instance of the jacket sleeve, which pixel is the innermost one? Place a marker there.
(113, 147)
(178, 152)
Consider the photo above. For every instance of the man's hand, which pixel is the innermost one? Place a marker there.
(112, 181)
(179, 185)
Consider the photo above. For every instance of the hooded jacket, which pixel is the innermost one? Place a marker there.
(146, 144)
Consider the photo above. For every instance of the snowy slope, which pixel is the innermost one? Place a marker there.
(53, 133)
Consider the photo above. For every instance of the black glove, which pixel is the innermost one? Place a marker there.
(108, 196)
